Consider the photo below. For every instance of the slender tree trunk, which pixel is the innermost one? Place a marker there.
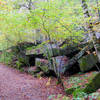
(98, 9)
(92, 33)
(29, 4)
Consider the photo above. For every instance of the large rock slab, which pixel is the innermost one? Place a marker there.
(55, 64)
(47, 49)
(87, 62)
(59, 61)
(33, 50)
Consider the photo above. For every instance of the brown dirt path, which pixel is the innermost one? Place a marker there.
(15, 85)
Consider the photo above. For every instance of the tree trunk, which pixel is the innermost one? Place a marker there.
(98, 9)
(92, 33)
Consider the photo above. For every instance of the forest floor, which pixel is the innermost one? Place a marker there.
(15, 85)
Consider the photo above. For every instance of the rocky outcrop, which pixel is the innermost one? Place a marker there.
(87, 62)
(55, 64)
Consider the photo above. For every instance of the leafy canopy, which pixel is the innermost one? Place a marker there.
(59, 19)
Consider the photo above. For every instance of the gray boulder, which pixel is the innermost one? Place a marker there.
(87, 62)
(55, 64)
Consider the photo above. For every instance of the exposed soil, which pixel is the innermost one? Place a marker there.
(15, 85)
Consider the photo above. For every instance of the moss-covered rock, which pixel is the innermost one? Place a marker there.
(78, 81)
(93, 85)
(43, 64)
(33, 50)
(32, 70)
(55, 64)
(87, 62)
(45, 49)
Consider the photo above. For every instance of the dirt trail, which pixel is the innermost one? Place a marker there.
(15, 85)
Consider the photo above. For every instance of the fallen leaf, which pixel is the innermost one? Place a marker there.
(48, 83)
